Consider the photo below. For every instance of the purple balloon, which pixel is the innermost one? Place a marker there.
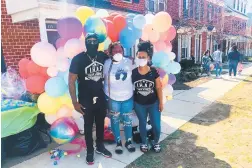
(172, 79)
(161, 72)
(69, 28)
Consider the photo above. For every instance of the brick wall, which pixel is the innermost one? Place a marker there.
(138, 7)
(173, 8)
(233, 25)
(18, 38)
(204, 41)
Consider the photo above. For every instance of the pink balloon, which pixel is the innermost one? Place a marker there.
(50, 118)
(154, 36)
(168, 47)
(52, 71)
(171, 33)
(43, 54)
(60, 42)
(73, 47)
(83, 44)
(61, 53)
(160, 46)
(64, 111)
(69, 27)
(62, 64)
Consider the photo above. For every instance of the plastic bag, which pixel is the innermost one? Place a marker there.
(13, 86)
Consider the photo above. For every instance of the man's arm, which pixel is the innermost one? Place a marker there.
(72, 88)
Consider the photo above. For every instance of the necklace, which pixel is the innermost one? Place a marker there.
(92, 60)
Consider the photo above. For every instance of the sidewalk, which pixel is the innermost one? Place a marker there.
(184, 106)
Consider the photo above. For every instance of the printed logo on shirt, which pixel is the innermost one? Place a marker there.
(121, 74)
(94, 71)
(144, 87)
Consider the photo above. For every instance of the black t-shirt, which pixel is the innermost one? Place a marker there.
(90, 77)
(145, 86)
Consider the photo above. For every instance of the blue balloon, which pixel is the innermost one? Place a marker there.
(55, 87)
(137, 33)
(127, 39)
(61, 74)
(95, 24)
(139, 21)
(160, 59)
(130, 17)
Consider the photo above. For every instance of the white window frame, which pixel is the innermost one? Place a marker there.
(130, 1)
(163, 2)
(148, 2)
(184, 45)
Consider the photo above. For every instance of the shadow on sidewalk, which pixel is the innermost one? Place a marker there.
(179, 150)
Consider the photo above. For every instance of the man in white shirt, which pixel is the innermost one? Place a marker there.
(217, 57)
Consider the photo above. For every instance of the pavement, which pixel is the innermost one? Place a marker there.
(185, 105)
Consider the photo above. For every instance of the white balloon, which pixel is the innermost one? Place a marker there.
(73, 47)
(76, 114)
(149, 17)
(80, 123)
(61, 53)
(52, 71)
(102, 13)
(168, 90)
(171, 55)
(50, 118)
(62, 64)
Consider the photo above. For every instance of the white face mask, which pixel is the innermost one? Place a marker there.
(141, 62)
(118, 57)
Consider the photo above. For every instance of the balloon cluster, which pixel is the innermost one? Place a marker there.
(12, 85)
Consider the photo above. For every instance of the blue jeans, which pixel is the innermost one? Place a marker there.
(218, 68)
(233, 67)
(142, 112)
(121, 110)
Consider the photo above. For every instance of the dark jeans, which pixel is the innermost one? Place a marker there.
(142, 112)
(95, 113)
(233, 67)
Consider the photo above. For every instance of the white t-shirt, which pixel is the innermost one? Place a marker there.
(217, 56)
(121, 87)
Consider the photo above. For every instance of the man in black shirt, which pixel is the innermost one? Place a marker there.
(87, 68)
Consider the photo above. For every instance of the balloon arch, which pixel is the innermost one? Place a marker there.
(47, 71)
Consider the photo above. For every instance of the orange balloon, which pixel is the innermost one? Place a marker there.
(33, 68)
(35, 84)
(43, 72)
(22, 64)
(164, 80)
(119, 22)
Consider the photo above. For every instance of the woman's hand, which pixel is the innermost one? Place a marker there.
(161, 107)
(78, 107)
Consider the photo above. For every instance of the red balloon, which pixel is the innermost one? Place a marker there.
(119, 22)
(23, 62)
(35, 84)
(111, 31)
(43, 72)
(23, 73)
(60, 42)
(33, 68)
(171, 33)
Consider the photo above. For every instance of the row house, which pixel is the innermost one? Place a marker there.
(204, 24)
(25, 23)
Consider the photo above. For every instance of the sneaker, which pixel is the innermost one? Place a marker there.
(119, 149)
(90, 158)
(103, 151)
(144, 148)
(156, 147)
(130, 146)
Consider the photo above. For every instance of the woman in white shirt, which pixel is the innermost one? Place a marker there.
(119, 90)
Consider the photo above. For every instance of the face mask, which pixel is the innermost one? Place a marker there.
(118, 57)
(141, 62)
(92, 49)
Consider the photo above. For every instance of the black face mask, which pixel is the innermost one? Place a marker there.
(92, 49)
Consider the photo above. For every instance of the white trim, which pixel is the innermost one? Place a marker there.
(217, 2)
(127, 1)
(189, 46)
(42, 29)
(179, 47)
(200, 47)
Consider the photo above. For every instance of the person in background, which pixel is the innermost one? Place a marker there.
(119, 90)
(148, 96)
(87, 68)
(234, 58)
(217, 57)
(3, 65)
(206, 61)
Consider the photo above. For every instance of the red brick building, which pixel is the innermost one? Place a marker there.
(24, 24)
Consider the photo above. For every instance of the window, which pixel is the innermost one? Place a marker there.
(202, 11)
(209, 13)
(151, 6)
(184, 46)
(234, 5)
(245, 6)
(130, 1)
(242, 7)
(161, 5)
(191, 8)
(185, 8)
(197, 10)
(238, 5)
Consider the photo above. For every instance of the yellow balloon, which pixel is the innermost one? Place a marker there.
(66, 100)
(83, 13)
(101, 47)
(47, 104)
(169, 97)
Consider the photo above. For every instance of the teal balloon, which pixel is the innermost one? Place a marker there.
(95, 24)
(127, 39)
(130, 17)
(55, 87)
(160, 59)
(137, 33)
